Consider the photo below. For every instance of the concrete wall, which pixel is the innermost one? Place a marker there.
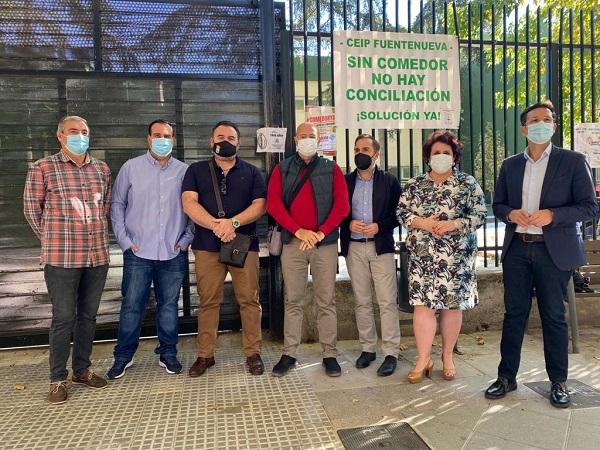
(487, 315)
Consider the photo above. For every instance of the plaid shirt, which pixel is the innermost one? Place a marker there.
(66, 207)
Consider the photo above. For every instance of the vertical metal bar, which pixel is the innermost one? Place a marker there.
(384, 5)
(538, 41)
(433, 16)
(482, 121)
(494, 131)
(422, 30)
(593, 56)
(516, 82)
(527, 48)
(331, 27)
(358, 14)
(581, 66)
(470, 77)
(287, 82)
(371, 15)
(305, 52)
(457, 31)
(180, 154)
(560, 79)
(344, 13)
(571, 80)
(505, 77)
(411, 156)
(319, 74)
(267, 53)
(97, 18)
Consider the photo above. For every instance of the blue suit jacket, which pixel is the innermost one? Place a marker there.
(567, 190)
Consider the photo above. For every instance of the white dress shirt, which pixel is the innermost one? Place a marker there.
(533, 179)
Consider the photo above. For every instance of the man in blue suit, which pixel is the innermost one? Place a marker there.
(540, 194)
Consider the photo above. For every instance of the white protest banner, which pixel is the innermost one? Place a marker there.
(587, 141)
(396, 80)
(270, 140)
(323, 117)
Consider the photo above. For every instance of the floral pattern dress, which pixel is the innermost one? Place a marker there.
(441, 270)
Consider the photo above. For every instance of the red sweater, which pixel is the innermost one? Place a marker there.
(303, 212)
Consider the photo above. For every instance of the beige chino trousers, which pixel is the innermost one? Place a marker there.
(294, 265)
(364, 267)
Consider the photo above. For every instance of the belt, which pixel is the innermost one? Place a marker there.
(362, 240)
(525, 237)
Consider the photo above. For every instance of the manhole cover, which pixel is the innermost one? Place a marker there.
(582, 395)
(396, 436)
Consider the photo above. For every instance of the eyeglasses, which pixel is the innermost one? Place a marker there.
(223, 186)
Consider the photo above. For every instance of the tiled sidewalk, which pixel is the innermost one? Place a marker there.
(228, 408)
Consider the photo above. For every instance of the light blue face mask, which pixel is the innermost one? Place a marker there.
(162, 146)
(540, 132)
(78, 144)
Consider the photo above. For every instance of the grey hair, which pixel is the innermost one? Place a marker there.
(61, 123)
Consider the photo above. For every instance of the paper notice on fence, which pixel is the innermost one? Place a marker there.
(270, 140)
(587, 141)
(323, 117)
(396, 80)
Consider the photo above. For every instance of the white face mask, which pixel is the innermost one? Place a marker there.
(441, 163)
(307, 147)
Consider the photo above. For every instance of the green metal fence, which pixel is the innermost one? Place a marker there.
(510, 57)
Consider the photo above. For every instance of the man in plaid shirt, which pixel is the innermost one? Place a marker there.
(66, 202)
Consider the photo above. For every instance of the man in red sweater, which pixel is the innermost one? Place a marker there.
(308, 197)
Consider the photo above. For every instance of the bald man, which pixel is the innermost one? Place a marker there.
(308, 197)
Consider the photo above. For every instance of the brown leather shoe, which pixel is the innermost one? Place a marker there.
(200, 366)
(255, 365)
(90, 379)
(58, 392)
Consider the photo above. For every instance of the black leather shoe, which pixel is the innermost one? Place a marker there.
(559, 395)
(388, 366)
(500, 388)
(332, 368)
(364, 360)
(283, 366)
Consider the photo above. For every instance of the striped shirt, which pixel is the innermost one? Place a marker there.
(67, 207)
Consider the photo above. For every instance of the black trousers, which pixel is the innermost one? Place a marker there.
(528, 265)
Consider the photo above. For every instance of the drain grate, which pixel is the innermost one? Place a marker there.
(397, 436)
(582, 395)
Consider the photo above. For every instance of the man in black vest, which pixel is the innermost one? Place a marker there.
(367, 237)
(307, 196)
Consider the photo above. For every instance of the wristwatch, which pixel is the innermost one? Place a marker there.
(235, 222)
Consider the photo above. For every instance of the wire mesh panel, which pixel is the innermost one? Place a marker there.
(120, 65)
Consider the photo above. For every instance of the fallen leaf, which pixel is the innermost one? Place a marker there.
(597, 357)
(19, 387)
(403, 347)
(355, 400)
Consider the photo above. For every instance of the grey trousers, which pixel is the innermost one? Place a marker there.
(75, 296)
(364, 266)
(294, 265)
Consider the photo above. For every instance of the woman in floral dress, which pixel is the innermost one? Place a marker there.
(442, 210)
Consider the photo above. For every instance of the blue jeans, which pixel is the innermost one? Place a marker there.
(138, 275)
(75, 296)
(527, 265)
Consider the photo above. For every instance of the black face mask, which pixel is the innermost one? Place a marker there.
(362, 161)
(224, 149)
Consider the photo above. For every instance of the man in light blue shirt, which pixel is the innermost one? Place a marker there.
(154, 234)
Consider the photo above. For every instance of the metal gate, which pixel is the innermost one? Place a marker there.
(122, 64)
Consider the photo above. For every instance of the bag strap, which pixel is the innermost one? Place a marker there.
(213, 175)
(300, 183)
